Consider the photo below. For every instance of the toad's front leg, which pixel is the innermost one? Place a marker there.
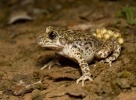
(86, 75)
(77, 55)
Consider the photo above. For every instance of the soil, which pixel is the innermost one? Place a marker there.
(21, 57)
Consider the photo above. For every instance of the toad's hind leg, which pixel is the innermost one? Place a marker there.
(114, 55)
(111, 46)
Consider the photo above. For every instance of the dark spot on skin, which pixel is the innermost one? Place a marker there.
(100, 54)
(75, 46)
(78, 53)
(81, 51)
(86, 43)
(81, 58)
(113, 56)
(86, 70)
(75, 53)
(90, 44)
(86, 48)
(105, 55)
(82, 61)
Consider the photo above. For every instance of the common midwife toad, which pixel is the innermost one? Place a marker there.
(82, 47)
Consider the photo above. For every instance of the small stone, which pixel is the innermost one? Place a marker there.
(27, 97)
(36, 93)
(123, 83)
(19, 90)
(13, 98)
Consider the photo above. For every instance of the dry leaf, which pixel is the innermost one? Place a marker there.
(18, 16)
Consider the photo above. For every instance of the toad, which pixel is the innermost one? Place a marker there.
(82, 47)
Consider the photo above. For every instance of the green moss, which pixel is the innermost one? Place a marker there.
(128, 13)
(126, 73)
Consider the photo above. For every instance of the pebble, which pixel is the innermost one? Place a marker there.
(35, 93)
(123, 83)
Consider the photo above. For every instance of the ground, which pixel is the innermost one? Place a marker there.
(21, 57)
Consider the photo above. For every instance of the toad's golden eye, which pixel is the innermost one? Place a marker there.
(52, 35)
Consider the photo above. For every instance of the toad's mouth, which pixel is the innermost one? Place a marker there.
(51, 46)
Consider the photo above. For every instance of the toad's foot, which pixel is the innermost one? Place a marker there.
(50, 64)
(83, 79)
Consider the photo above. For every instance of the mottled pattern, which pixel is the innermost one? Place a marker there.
(80, 47)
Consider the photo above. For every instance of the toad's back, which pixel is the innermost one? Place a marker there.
(86, 43)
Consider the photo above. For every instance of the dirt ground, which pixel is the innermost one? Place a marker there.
(22, 21)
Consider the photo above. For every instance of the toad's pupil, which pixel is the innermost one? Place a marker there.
(52, 35)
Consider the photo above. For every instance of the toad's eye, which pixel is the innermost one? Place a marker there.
(52, 35)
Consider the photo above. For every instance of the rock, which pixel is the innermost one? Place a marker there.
(14, 98)
(36, 93)
(77, 93)
(123, 83)
(27, 97)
